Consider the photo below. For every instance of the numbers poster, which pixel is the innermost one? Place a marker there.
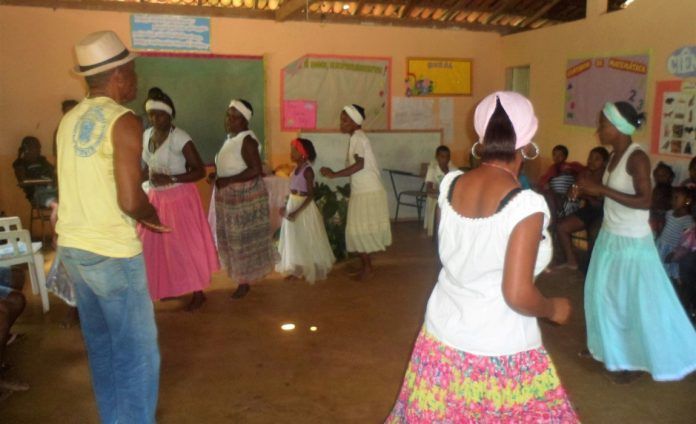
(591, 82)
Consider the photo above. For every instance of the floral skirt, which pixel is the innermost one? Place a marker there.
(244, 236)
(445, 385)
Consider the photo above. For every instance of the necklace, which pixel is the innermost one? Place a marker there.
(493, 165)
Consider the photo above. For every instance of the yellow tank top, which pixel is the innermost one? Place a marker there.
(89, 217)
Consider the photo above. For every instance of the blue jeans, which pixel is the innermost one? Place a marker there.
(118, 325)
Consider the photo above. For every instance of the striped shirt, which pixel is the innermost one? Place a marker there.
(674, 229)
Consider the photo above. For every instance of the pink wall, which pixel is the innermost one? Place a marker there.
(36, 55)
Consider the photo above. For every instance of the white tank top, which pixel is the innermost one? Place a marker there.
(619, 219)
(229, 160)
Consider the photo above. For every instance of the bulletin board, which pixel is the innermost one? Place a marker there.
(201, 87)
(674, 119)
(438, 77)
(315, 88)
(591, 82)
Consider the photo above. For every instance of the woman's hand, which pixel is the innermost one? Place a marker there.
(588, 187)
(327, 172)
(211, 177)
(222, 182)
(561, 310)
(160, 179)
(291, 216)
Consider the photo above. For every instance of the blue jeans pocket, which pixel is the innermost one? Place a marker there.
(107, 277)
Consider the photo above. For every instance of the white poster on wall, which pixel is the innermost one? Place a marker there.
(446, 119)
(412, 114)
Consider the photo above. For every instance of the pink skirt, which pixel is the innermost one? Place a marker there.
(183, 260)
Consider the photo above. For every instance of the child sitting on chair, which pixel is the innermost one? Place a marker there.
(663, 176)
(437, 169)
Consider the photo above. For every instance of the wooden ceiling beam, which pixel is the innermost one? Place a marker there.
(406, 11)
(154, 8)
(541, 12)
(289, 8)
(406, 22)
(501, 10)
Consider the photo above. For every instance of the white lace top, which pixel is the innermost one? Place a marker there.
(466, 309)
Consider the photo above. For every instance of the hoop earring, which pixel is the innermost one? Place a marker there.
(473, 150)
(537, 151)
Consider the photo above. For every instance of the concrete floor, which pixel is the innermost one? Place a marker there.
(231, 362)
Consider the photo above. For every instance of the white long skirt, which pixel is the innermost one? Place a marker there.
(304, 248)
(368, 228)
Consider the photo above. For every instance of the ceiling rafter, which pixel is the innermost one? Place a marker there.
(502, 16)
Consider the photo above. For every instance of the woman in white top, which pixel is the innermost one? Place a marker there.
(634, 319)
(367, 228)
(433, 177)
(241, 203)
(183, 260)
(479, 356)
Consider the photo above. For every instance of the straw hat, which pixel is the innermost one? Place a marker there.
(99, 52)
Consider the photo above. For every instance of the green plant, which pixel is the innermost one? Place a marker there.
(333, 205)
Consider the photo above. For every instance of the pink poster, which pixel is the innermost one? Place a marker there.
(591, 82)
(299, 114)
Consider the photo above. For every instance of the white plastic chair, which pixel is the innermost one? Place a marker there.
(16, 248)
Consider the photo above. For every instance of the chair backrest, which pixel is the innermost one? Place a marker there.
(10, 223)
(15, 247)
(424, 169)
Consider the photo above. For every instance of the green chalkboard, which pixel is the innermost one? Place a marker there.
(201, 88)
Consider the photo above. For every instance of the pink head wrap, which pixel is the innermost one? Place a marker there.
(518, 108)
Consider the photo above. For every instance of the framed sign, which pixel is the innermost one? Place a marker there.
(170, 33)
(438, 77)
(674, 119)
(593, 81)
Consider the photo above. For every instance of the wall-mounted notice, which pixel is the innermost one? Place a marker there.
(682, 63)
(335, 81)
(591, 82)
(674, 119)
(299, 114)
(170, 33)
(438, 77)
(412, 114)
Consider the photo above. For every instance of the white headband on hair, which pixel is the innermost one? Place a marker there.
(354, 114)
(241, 108)
(157, 105)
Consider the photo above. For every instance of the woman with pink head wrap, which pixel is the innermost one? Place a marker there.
(479, 356)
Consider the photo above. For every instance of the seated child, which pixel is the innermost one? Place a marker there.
(30, 167)
(685, 256)
(677, 221)
(12, 304)
(690, 182)
(663, 175)
(436, 172)
(589, 216)
(554, 184)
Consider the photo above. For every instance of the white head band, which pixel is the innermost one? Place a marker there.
(157, 105)
(354, 114)
(241, 108)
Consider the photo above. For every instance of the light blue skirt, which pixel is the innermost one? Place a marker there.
(634, 318)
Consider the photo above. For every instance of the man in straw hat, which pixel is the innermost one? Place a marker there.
(99, 147)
